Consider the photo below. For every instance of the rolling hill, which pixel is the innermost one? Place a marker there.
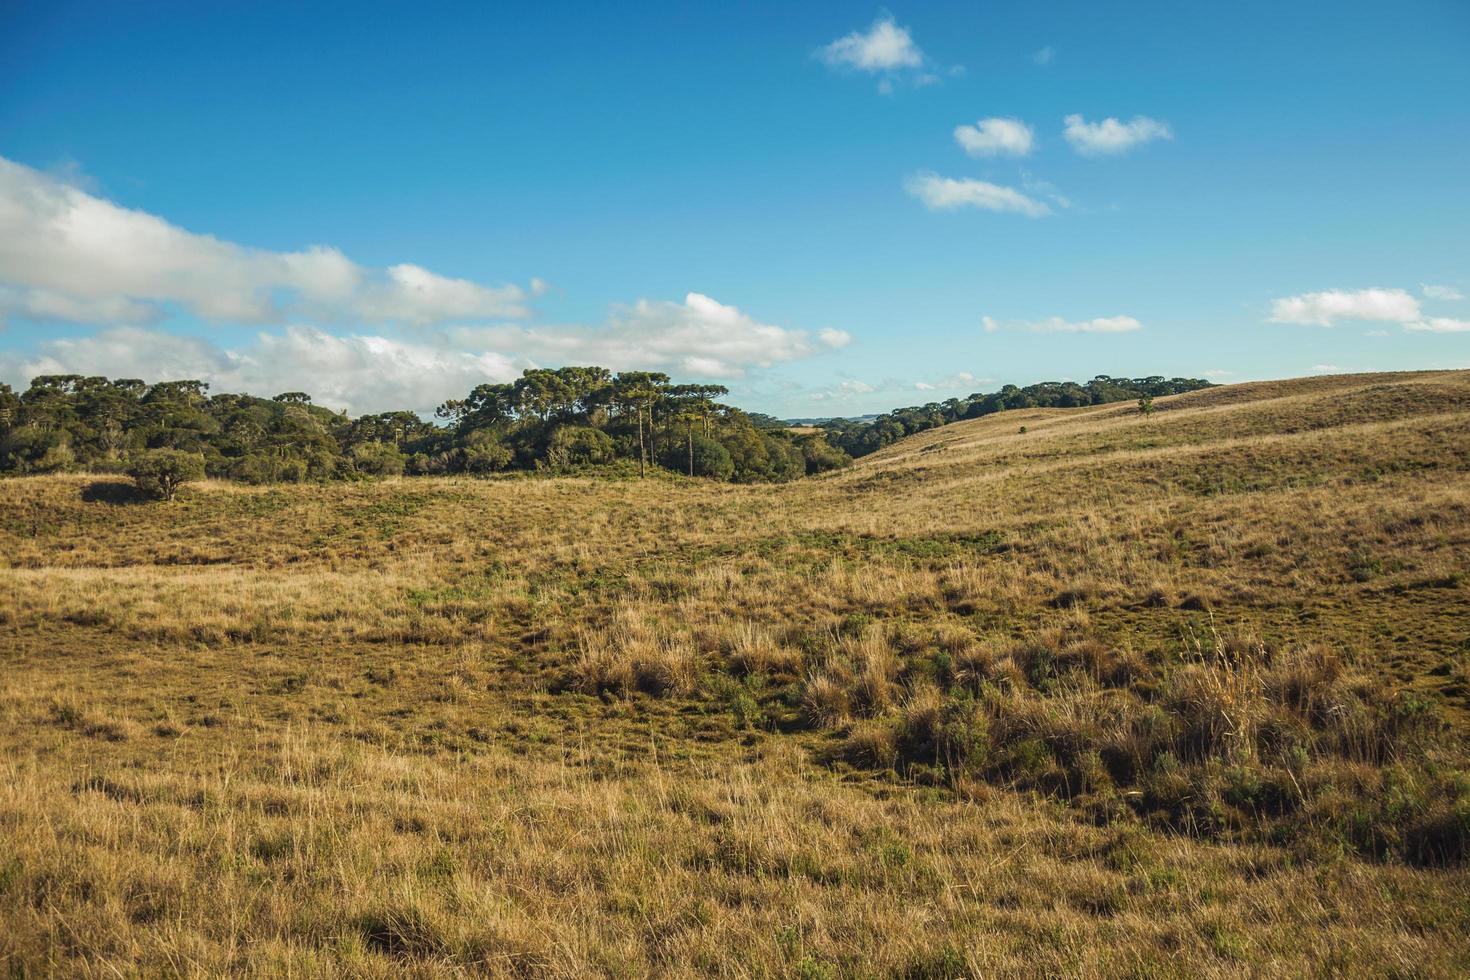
(1085, 690)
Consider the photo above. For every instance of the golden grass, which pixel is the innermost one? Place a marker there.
(573, 727)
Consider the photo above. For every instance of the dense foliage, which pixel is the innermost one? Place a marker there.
(550, 420)
(858, 438)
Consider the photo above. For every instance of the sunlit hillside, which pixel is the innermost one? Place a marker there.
(1181, 692)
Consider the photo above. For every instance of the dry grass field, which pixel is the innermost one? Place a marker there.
(1076, 691)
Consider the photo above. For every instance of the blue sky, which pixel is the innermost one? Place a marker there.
(387, 203)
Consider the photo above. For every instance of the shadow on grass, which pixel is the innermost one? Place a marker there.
(112, 492)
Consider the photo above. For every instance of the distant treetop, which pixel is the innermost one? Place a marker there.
(858, 438)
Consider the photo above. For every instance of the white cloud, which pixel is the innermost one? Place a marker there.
(1376, 305)
(948, 193)
(885, 47)
(67, 254)
(700, 336)
(835, 339)
(842, 391)
(887, 50)
(1101, 324)
(1325, 308)
(353, 373)
(996, 137)
(365, 372)
(1438, 324)
(1056, 324)
(44, 304)
(1112, 135)
(1216, 373)
(1045, 56)
(894, 390)
(415, 295)
(1326, 369)
(961, 381)
(1441, 292)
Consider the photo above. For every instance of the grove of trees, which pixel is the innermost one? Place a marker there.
(560, 420)
(551, 420)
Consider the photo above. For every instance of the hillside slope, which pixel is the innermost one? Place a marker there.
(1184, 692)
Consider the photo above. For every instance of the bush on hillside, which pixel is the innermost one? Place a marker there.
(159, 473)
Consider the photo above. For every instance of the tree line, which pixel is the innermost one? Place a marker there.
(560, 420)
(550, 420)
(858, 438)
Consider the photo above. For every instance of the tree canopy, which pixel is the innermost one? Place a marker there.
(550, 420)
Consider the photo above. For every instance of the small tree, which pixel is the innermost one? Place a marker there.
(1146, 405)
(708, 458)
(160, 472)
(578, 445)
(821, 455)
(378, 459)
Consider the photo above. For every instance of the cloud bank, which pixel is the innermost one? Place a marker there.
(1376, 305)
(69, 255)
(699, 337)
(66, 254)
(352, 373)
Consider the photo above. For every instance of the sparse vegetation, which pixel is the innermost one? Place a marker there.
(1183, 692)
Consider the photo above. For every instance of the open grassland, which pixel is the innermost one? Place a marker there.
(1171, 694)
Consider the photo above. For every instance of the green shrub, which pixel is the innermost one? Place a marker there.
(160, 473)
(712, 459)
(378, 459)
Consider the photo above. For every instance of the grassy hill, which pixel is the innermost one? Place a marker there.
(1078, 690)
